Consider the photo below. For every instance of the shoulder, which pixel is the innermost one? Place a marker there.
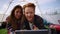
(38, 17)
(38, 20)
(8, 19)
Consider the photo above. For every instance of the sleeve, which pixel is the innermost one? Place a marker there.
(9, 27)
(39, 22)
(45, 22)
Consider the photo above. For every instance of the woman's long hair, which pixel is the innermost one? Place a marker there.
(12, 18)
(12, 12)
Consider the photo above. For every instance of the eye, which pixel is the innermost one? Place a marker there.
(17, 11)
(26, 12)
(31, 12)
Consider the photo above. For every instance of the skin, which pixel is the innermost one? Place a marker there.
(29, 13)
(17, 13)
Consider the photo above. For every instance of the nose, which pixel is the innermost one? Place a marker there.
(29, 14)
(18, 14)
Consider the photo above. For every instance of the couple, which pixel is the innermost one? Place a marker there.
(24, 18)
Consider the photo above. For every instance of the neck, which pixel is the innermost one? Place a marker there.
(31, 21)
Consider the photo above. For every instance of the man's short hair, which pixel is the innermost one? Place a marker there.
(29, 5)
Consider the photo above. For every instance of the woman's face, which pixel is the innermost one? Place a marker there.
(17, 13)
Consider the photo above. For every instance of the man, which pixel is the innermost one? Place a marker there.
(32, 21)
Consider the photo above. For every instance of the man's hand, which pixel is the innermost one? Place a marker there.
(35, 28)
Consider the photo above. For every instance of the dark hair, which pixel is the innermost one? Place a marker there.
(12, 12)
(12, 20)
(29, 5)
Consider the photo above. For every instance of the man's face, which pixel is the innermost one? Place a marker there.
(29, 13)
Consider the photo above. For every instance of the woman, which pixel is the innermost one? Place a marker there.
(14, 20)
